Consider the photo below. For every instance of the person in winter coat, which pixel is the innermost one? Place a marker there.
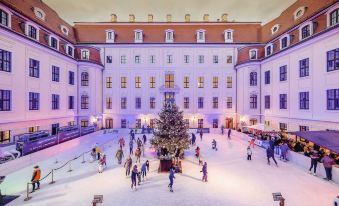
(222, 129)
(284, 150)
(131, 147)
(328, 162)
(252, 142)
(133, 136)
(134, 177)
(314, 161)
(171, 179)
(102, 163)
(144, 138)
(147, 165)
(128, 165)
(204, 172)
(214, 145)
(139, 142)
(270, 154)
(93, 155)
(137, 154)
(119, 155)
(143, 171)
(229, 133)
(36, 178)
(249, 153)
(98, 151)
(121, 142)
(197, 152)
(201, 134)
(193, 139)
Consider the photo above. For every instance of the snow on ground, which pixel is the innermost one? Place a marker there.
(232, 179)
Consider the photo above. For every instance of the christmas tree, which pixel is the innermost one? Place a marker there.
(171, 131)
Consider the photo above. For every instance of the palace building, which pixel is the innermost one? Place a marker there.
(284, 73)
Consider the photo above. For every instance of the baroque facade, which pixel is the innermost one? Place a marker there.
(117, 74)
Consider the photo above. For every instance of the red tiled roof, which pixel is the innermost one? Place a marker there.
(155, 32)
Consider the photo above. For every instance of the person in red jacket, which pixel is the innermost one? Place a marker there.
(36, 178)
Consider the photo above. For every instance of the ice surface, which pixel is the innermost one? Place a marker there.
(232, 179)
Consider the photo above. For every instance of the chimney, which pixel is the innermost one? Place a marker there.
(150, 17)
(205, 18)
(224, 17)
(187, 18)
(131, 18)
(114, 18)
(169, 17)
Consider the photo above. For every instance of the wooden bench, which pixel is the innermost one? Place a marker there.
(97, 199)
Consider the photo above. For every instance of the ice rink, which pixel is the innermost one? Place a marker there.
(232, 179)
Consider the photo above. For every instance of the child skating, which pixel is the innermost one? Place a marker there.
(171, 179)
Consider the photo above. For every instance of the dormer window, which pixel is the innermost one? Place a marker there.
(69, 50)
(275, 29)
(333, 16)
(32, 31)
(284, 41)
(228, 35)
(138, 36)
(110, 36)
(305, 31)
(169, 36)
(269, 49)
(299, 12)
(253, 53)
(84, 54)
(64, 30)
(39, 13)
(53, 42)
(201, 36)
(5, 18)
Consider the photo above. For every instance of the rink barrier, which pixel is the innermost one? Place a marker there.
(28, 197)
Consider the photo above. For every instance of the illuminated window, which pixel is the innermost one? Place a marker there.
(200, 82)
(215, 82)
(186, 82)
(169, 81)
(152, 82)
(229, 82)
(5, 136)
(123, 82)
(108, 103)
(108, 82)
(137, 82)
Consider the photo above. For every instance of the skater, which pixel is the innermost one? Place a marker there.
(147, 165)
(128, 165)
(101, 164)
(143, 150)
(36, 178)
(93, 155)
(204, 172)
(133, 136)
(193, 139)
(214, 145)
(122, 142)
(131, 147)
(328, 162)
(222, 129)
(229, 133)
(137, 154)
(139, 177)
(139, 143)
(252, 142)
(171, 179)
(98, 151)
(144, 171)
(197, 152)
(144, 138)
(134, 177)
(314, 162)
(249, 153)
(119, 155)
(284, 151)
(201, 134)
(270, 154)
(103, 158)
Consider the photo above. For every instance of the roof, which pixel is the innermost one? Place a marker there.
(327, 139)
(184, 32)
(52, 21)
(286, 19)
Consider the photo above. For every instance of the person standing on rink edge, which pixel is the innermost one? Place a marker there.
(36, 178)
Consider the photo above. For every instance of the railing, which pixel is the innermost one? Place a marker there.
(69, 163)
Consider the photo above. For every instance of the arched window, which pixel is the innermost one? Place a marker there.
(334, 17)
(253, 79)
(84, 101)
(84, 79)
